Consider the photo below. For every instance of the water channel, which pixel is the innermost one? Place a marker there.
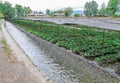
(58, 65)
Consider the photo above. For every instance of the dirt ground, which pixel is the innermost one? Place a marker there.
(100, 22)
(17, 67)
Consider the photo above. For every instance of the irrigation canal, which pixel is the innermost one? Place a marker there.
(58, 65)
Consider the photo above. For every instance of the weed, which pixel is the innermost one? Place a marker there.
(5, 46)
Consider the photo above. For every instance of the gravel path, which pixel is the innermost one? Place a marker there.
(106, 23)
(18, 68)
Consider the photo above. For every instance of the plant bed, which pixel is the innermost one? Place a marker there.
(97, 44)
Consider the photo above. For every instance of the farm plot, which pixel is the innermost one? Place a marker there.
(95, 44)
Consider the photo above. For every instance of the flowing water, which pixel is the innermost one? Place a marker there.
(59, 66)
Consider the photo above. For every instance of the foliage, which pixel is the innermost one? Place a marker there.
(118, 9)
(0, 25)
(112, 7)
(86, 41)
(19, 11)
(27, 11)
(6, 47)
(91, 8)
(68, 11)
(59, 11)
(76, 15)
(117, 15)
(1, 15)
(48, 11)
(7, 10)
(102, 11)
(11, 12)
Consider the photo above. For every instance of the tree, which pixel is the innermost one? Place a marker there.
(27, 10)
(112, 6)
(68, 11)
(7, 10)
(119, 6)
(1, 15)
(102, 11)
(19, 11)
(48, 11)
(91, 8)
(59, 11)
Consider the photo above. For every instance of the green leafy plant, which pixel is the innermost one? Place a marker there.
(92, 43)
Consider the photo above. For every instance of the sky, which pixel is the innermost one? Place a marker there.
(54, 4)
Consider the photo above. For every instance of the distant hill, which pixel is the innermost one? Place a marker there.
(74, 11)
(78, 12)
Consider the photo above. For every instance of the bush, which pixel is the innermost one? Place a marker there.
(117, 15)
(76, 15)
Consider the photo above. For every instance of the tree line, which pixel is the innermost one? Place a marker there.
(91, 8)
(67, 11)
(7, 11)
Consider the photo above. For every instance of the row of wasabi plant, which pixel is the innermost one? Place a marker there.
(95, 44)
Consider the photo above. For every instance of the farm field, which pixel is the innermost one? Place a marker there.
(65, 41)
(93, 43)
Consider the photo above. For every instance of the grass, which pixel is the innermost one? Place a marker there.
(6, 47)
(4, 42)
(0, 28)
(96, 44)
(7, 50)
(0, 25)
(1, 22)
